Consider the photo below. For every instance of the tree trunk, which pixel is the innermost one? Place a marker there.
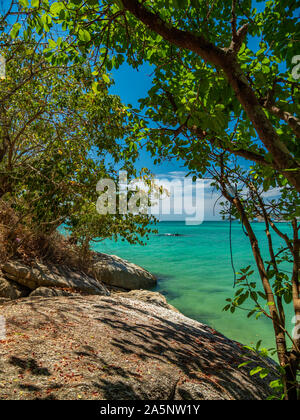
(5, 185)
(291, 377)
(288, 378)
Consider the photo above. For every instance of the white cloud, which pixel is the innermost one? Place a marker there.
(184, 199)
(209, 196)
(272, 193)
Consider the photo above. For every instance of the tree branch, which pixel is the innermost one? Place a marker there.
(238, 36)
(196, 43)
(246, 154)
(290, 119)
(222, 58)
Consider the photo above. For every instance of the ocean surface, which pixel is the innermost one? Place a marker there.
(195, 273)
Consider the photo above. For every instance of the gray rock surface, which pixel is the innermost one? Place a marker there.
(4, 300)
(117, 272)
(98, 347)
(48, 292)
(52, 276)
(147, 296)
(12, 290)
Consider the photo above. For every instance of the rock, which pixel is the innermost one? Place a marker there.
(115, 271)
(49, 292)
(147, 296)
(52, 276)
(12, 290)
(102, 348)
(4, 300)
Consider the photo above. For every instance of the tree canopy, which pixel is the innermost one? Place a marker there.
(223, 70)
(61, 132)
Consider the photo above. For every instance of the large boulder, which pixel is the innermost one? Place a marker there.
(52, 276)
(117, 272)
(147, 296)
(12, 290)
(97, 347)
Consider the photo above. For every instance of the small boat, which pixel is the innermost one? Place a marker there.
(170, 234)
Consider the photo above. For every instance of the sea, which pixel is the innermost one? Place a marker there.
(195, 271)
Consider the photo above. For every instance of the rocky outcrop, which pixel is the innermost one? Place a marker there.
(117, 272)
(11, 290)
(52, 276)
(19, 280)
(49, 292)
(4, 300)
(147, 296)
(98, 347)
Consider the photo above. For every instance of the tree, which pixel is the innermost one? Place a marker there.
(204, 66)
(60, 133)
(246, 201)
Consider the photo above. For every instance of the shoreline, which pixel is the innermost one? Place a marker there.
(134, 340)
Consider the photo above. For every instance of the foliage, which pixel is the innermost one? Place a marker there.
(194, 99)
(277, 290)
(276, 385)
(61, 132)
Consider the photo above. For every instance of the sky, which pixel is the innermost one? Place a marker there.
(131, 85)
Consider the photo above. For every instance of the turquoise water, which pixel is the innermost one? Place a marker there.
(195, 274)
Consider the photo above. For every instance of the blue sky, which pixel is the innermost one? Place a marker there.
(131, 85)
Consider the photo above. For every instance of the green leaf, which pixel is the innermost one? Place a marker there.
(96, 87)
(52, 44)
(105, 78)
(56, 8)
(84, 35)
(24, 3)
(262, 295)
(241, 299)
(265, 372)
(35, 3)
(15, 30)
(256, 370)
(258, 344)
(244, 364)
(288, 297)
(276, 384)
(251, 313)
(46, 21)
